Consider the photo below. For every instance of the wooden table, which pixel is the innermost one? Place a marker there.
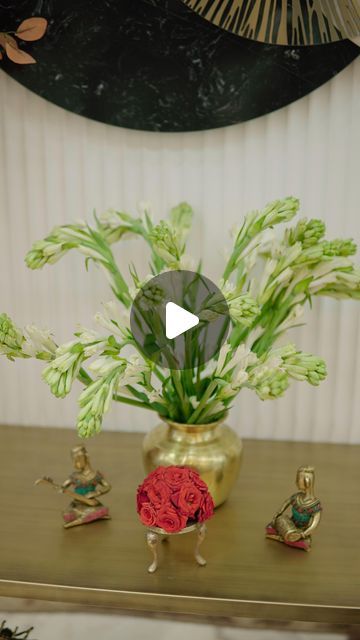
(105, 564)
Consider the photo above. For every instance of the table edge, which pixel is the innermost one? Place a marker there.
(182, 604)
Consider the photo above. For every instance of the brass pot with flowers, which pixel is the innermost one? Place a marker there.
(268, 278)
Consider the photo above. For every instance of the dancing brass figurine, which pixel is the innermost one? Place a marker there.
(295, 530)
(85, 486)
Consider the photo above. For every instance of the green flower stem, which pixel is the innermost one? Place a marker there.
(199, 371)
(187, 381)
(138, 394)
(156, 260)
(254, 223)
(158, 373)
(187, 374)
(175, 376)
(279, 309)
(233, 260)
(86, 380)
(207, 410)
(152, 366)
(84, 377)
(120, 289)
(239, 334)
(133, 402)
(194, 416)
(215, 417)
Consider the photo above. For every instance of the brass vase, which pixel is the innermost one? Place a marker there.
(214, 450)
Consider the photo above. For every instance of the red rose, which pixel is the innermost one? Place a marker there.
(188, 499)
(148, 515)
(157, 474)
(170, 520)
(176, 476)
(206, 508)
(158, 493)
(141, 497)
(199, 483)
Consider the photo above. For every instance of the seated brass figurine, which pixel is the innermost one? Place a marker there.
(85, 486)
(295, 530)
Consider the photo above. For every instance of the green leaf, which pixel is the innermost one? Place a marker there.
(302, 286)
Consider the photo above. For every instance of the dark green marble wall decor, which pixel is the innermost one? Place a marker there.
(157, 65)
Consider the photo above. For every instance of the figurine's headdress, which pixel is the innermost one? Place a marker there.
(306, 470)
(79, 449)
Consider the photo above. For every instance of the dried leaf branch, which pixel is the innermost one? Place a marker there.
(29, 30)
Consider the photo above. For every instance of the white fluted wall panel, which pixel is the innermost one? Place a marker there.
(56, 166)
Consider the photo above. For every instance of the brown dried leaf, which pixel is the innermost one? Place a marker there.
(12, 41)
(2, 39)
(32, 29)
(1, 56)
(15, 54)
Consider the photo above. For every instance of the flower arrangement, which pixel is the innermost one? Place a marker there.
(268, 278)
(172, 498)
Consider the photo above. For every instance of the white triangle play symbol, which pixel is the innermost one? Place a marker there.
(178, 320)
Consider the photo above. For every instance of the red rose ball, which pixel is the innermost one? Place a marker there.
(173, 498)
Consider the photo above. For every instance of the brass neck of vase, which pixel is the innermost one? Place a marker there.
(194, 433)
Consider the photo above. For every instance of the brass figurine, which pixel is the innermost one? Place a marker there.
(295, 530)
(8, 634)
(85, 486)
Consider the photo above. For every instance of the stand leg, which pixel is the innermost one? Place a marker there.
(201, 532)
(152, 541)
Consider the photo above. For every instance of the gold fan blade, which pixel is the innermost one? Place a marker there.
(294, 23)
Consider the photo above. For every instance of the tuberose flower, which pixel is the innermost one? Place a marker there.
(308, 232)
(11, 338)
(242, 307)
(117, 224)
(39, 343)
(166, 243)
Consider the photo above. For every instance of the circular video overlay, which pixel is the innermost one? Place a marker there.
(180, 319)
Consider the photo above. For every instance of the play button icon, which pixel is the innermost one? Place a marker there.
(179, 319)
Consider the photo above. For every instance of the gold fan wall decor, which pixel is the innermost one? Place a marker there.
(285, 22)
